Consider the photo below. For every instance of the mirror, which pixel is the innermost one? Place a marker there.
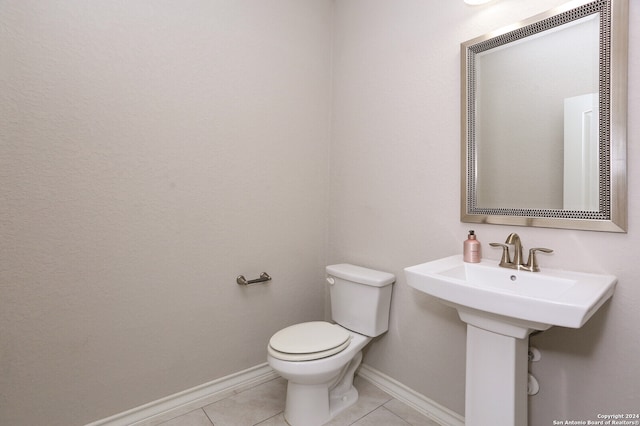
(544, 108)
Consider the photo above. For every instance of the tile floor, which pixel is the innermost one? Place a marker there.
(263, 405)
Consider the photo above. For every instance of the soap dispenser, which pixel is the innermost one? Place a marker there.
(471, 249)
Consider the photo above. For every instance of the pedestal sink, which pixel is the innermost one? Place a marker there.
(501, 308)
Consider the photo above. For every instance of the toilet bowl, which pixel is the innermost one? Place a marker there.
(319, 389)
(319, 359)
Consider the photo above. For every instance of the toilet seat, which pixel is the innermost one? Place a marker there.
(308, 341)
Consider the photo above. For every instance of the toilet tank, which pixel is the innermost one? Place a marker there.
(360, 298)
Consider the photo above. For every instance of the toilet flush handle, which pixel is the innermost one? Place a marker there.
(331, 281)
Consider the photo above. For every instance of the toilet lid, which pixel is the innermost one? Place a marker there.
(309, 340)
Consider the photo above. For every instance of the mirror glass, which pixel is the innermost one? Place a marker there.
(543, 121)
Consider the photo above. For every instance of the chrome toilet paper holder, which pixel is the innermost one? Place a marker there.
(264, 277)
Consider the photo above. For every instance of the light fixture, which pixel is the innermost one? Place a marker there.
(476, 2)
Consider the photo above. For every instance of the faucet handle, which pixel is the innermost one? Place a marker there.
(532, 263)
(506, 259)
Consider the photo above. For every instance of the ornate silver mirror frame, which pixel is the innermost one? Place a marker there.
(611, 211)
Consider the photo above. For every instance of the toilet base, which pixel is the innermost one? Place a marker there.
(315, 405)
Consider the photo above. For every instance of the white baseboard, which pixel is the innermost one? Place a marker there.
(415, 400)
(182, 402)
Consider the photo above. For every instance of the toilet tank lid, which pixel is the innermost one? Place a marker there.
(361, 275)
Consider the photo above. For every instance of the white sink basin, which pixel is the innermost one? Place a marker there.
(486, 293)
(502, 307)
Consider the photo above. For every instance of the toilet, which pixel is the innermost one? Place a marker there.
(319, 359)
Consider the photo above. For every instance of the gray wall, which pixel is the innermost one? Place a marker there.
(395, 200)
(152, 151)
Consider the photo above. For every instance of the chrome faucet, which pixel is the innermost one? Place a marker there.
(517, 263)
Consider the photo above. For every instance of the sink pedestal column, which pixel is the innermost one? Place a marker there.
(496, 379)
